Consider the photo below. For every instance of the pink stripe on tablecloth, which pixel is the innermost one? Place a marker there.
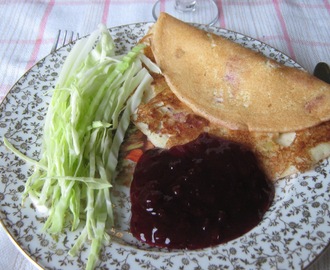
(81, 2)
(42, 28)
(327, 5)
(266, 2)
(284, 29)
(162, 5)
(221, 15)
(105, 11)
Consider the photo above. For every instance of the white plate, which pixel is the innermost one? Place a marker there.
(292, 234)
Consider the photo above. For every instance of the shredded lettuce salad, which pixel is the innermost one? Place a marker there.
(89, 113)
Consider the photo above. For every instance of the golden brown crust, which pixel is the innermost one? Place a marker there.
(233, 86)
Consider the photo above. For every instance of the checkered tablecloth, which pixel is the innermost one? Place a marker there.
(299, 28)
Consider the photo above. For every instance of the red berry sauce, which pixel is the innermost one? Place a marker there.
(206, 192)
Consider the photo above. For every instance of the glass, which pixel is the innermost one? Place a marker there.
(190, 11)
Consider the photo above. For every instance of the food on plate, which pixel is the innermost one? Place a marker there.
(90, 111)
(200, 194)
(168, 120)
(234, 86)
(210, 85)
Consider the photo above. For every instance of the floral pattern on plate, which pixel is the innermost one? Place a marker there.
(292, 234)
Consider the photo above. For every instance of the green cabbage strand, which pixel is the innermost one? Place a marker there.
(87, 118)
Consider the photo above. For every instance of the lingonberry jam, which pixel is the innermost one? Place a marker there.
(200, 194)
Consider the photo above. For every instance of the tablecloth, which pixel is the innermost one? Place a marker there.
(298, 28)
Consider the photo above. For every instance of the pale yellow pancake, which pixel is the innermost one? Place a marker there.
(235, 87)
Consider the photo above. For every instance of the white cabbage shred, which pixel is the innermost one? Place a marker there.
(89, 113)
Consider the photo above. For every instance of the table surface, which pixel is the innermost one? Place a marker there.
(298, 28)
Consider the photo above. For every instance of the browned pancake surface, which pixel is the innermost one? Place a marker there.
(166, 115)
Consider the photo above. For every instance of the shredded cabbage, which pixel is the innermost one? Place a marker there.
(87, 118)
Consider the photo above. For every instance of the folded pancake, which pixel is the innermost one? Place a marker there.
(233, 86)
(167, 121)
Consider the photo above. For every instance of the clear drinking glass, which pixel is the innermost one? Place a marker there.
(190, 11)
